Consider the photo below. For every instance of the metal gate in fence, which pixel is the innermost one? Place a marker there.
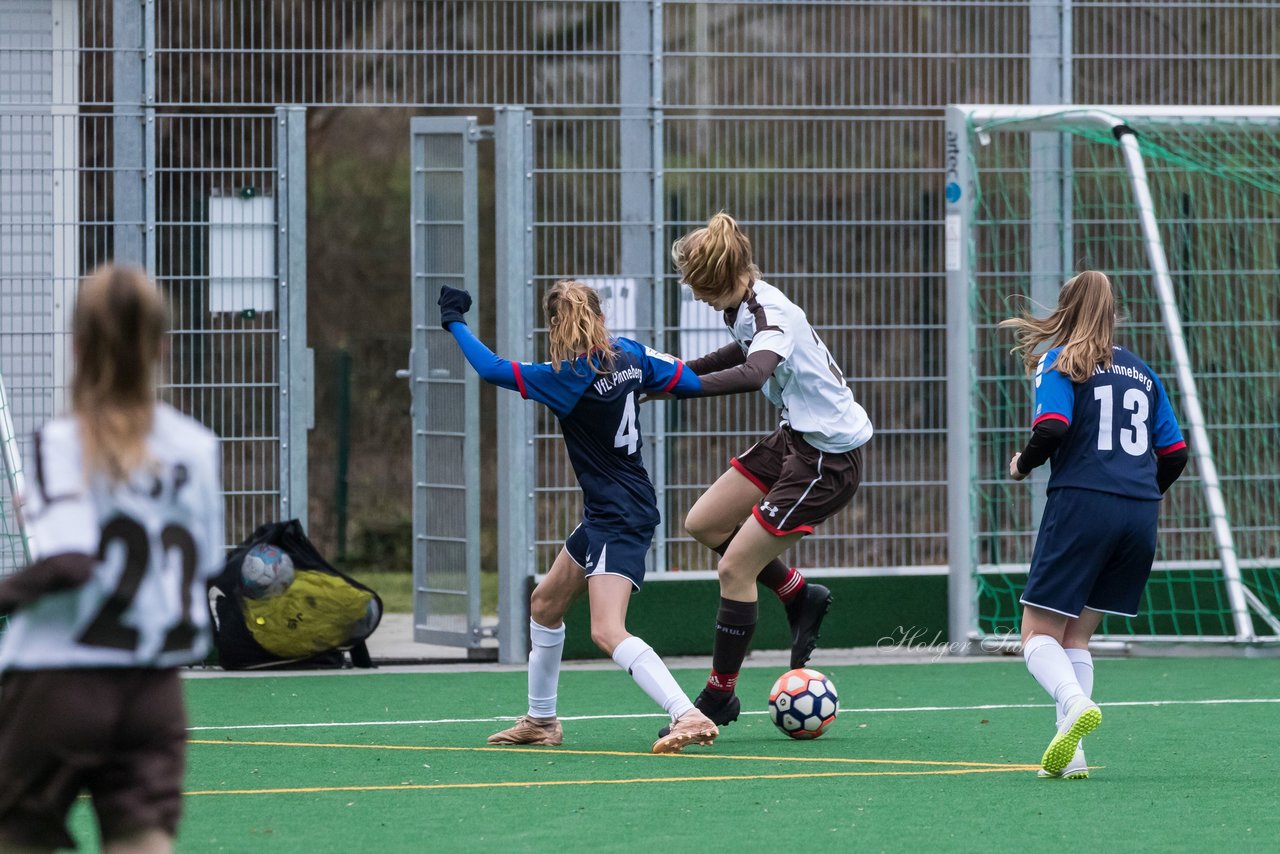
(446, 393)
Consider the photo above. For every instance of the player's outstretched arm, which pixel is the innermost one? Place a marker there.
(728, 356)
(492, 368)
(44, 576)
(751, 375)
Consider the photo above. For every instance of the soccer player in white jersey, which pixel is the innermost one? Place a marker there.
(777, 490)
(125, 516)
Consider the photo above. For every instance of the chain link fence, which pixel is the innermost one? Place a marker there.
(818, 125)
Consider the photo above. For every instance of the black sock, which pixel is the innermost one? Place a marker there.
(735, 624)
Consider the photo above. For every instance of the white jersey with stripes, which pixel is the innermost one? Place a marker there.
(808, 386)
(156, 540)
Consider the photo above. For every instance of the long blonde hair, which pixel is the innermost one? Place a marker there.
(576, 325)
(118, 332)
(1083, 325)
(715, 260)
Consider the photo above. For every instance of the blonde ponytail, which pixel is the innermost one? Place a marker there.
(118, 331)
(576, 326)
(715, 260)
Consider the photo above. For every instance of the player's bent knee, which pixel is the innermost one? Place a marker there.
(545, 608)
(731, 570)
(705, 529)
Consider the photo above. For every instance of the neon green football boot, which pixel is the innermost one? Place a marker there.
(1077, 768)
(1083, 717)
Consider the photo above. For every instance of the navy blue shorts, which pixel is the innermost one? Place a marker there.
(1094, 551)
(606, 552)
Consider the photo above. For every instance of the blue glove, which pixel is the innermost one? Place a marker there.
(453, 304)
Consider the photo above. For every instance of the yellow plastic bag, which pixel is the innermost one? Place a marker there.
(317, 612)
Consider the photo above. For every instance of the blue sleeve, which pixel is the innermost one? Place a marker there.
(1055, 394)
(561, 390)
(1167, 435)
(491, 367)
(662, 371)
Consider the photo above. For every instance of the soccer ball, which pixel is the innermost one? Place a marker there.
(266, 571)
(803, 703)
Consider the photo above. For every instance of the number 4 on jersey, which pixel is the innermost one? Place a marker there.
(628, 435)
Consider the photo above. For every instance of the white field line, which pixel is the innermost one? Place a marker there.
(895, 710)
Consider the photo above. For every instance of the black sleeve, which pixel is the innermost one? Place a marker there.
(1045, 439)
(1169, 467)
(59, 572)
(728, 356)
(749, 376)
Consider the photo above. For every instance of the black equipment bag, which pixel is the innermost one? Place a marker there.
(238, 637)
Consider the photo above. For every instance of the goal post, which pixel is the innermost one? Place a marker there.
(15, 548)
(1181, 206)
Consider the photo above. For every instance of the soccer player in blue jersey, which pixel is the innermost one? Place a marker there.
(1104, 422)
(125, 514)
(592, 383)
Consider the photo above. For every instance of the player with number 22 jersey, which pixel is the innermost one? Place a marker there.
(124, 509)
(156, 538)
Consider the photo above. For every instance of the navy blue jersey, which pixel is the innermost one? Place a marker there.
(599, 416)
(1119, 420)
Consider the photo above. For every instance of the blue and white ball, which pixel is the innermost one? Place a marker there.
(265, 572)
(803, 703)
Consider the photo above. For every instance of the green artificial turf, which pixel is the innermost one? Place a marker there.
(911, 764)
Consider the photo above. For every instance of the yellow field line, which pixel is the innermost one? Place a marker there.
(539, 783)
(543, 751)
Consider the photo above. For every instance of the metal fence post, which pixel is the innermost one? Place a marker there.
(513, 203)
(657, 214)
(296, 361)
(1050, 186)
(129, 129)
(638, 101)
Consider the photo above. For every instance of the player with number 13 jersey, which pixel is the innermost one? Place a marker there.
(1119, 420)
(1103, 420)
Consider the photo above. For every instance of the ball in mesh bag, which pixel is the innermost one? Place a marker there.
(265, 572)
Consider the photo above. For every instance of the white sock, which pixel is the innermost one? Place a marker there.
(638, 658)
(1048, 663)
(1082, 664)
(547, 646)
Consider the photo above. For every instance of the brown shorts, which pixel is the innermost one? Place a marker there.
(802, 485)
(119, 733)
